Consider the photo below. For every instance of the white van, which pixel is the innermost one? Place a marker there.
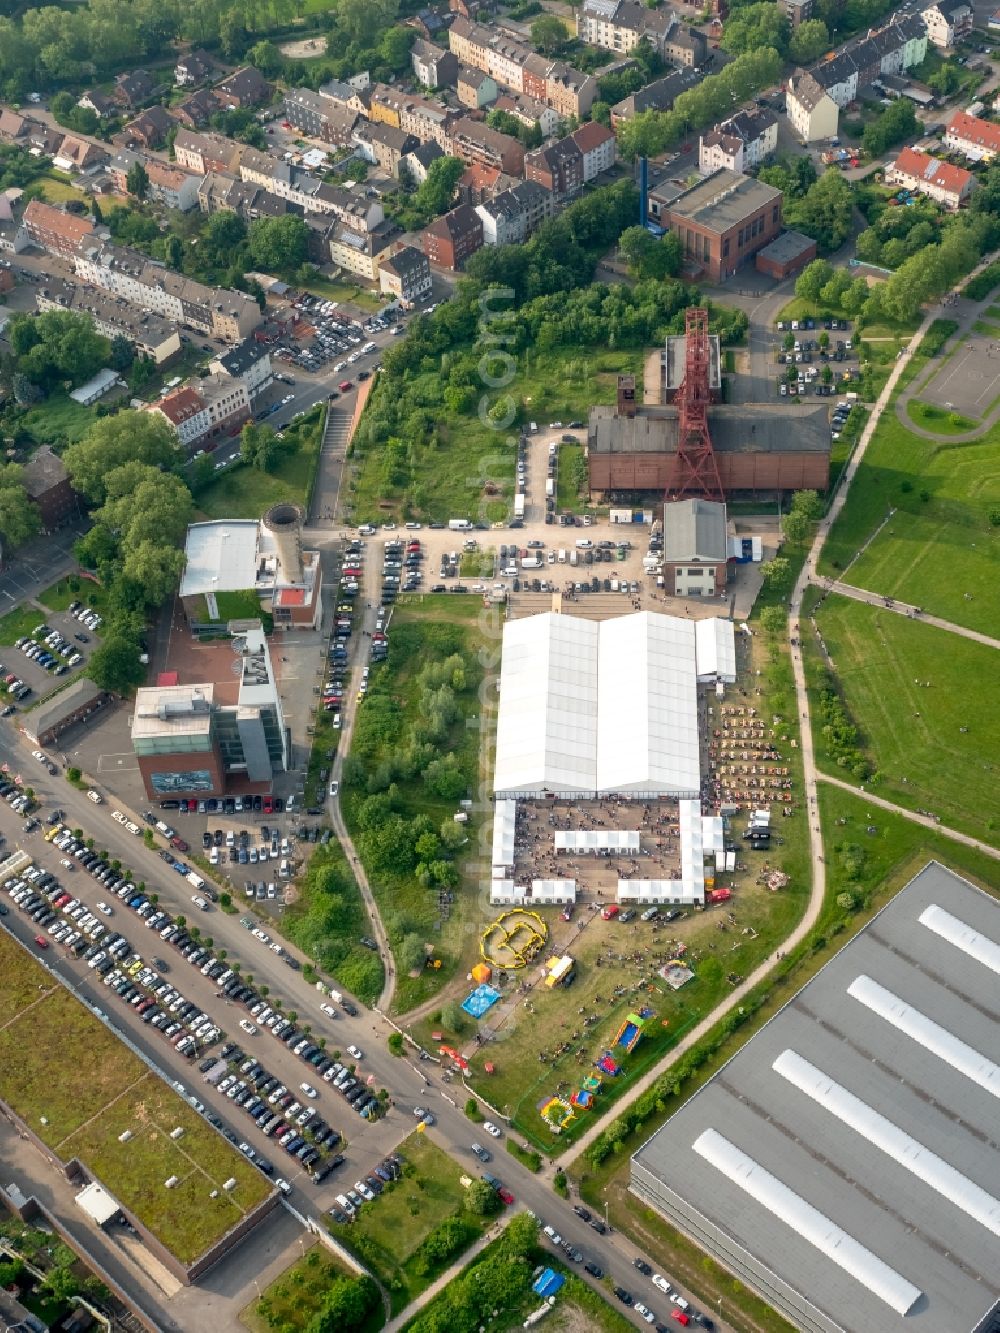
(562, 555)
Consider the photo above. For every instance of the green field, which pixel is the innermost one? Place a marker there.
(59, 420)
(57, 189)
(466, 469)
(18, 624)
(387, 1233)
(389, 728)
(571, 476)
(245, 492)
(344, 291)
(941, 542)
(293, 1300)
(937, 419)
(79, 1089)
(928, 718)
(75, 589)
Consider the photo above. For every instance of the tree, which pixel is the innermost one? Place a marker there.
(129, 436)
(812, 279)
(115, 665)
(266, 57)
(895, 125)
(548, 34)
(57, 345)
(19, 519)
(260, 446)
(808, 503)
(347, 1303)
(143, 503)
(278, 245)
(453, 1018)
(808, 41)
(795, 525)
(482, 1200)
(25, 391)
(137, 181)
(436, 193)
(648, 256)
(122, 353)
(825, 211)
(775, 571)
(753, 27)
(410, 954)
(772, 620)
(155, 570)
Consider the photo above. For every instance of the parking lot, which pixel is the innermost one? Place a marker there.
(58, 646)
(803, 358)
(326, 336)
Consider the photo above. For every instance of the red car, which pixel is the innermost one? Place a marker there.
(611, 910)
(345, 385)
(268, 805)
(180, 844)
(41, 941)
(507, 1197)
(681, 1317)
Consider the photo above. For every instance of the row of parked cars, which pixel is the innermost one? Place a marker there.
(16, 798)
(50, 650)
(280, 1117)
(86, 615)
(366, 1190)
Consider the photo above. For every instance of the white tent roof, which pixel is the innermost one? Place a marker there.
(597, 839)
(554, 890)
(504, 821)
(658, 891)
(715, 643)
(591, 707)
(506, 891)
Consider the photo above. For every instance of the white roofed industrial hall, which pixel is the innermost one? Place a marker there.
(592, 708)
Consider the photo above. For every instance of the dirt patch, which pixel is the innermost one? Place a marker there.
(305, 49)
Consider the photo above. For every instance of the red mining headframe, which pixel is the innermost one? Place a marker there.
(696, 472)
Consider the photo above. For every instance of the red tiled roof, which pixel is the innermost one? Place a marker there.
(46, 218)
(591, 135)
(180, 405)
(973, 130)
(923, 167)
(290, 597)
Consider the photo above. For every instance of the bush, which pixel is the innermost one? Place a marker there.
(472, 1110)
(840, 733)
(395, 1043)
(983, 283)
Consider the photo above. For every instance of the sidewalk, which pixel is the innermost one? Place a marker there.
(912, 815)
(449, 1275)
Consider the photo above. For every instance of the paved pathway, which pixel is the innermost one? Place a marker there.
(905, 609)
(912, 815)
(461, 1263)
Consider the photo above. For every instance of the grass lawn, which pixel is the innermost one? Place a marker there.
(425, 629)
(797, 308)
(58, 190)
(72, 589)
(87, 1103)
(387, 1233)
(59, 420)
(244, 492)
(18, 623)
(938, 419)
(293, 1299)
(890, 857)
(333, 290)
(571, 476)
(987, 329)
(914, 734)
(468, 469)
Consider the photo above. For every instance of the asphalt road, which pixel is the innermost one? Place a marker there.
(410, 1082)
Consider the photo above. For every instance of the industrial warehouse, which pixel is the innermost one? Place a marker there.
(875, 1091)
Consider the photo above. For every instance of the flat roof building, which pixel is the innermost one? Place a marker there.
(844, 1163)
(695, 548)
(723, 221)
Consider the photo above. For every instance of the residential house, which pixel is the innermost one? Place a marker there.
(723, 221)
(249, 361)
(54, 230)
(194, 68)
(598, 146)
(13, 238)
(245, 87)
(150, 127)
(77, 154)
(12, 125)
(488, 49)
(361, 252)
(568, 90)
(196, 110)
(151, 335)
(473, 141)
(433, 66)
(46, 481)
(321, 117)
(428, 120)
(477, 183)
(475, 88)
(206, 152)
(102, 106)
(620, 25)
(978, 140)
(42, 140)
(945, 184)
(557, 166)
(948, 21)
(796, 11)
(384, 145)
(811, 111)
(205, 410)
(307, 192)
(739, 143)
(685, 47)
(417, 162)
(535, 115)
(510, 218)
(450, 240)
(431, 25)
(406, 275)
(133, 88)
(354, 94)
(659, 95)
(171, 185)
(839, 76)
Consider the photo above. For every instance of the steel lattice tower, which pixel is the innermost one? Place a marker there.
(696, 470)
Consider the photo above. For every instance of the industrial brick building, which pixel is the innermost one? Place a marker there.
(722, 221)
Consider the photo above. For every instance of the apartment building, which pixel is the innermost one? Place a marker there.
(659, 95)
(54, 230)
(206, 152)
(558, 167)
(194, 68)
(978, 140)
(897, 46)
(205, 410)
(249, 362)
(739, 143)
(475, 88)
(620, 25)
(168, 184)
(948, 21)
(599, 148)
(320, 116)
(529, 112)
(245, 87)
(406, 275)
(811, 111)
(151, 335)
(218, 311)
(361, 252)
(947, 185)
(450, 240)
(417, 163)
(384, 145)
(475, 142)
(510, 218)
(433, 65)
